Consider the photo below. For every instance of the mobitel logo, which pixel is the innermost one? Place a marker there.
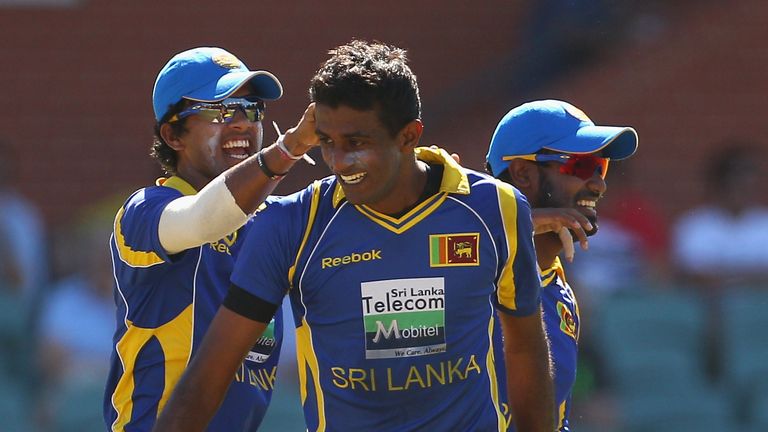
(403, 317)
(374, 254)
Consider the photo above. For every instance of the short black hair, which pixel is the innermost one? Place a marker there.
(160, 150)
(368, 75)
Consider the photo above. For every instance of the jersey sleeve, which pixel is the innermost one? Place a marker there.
(136, 227)
(269, 251)
(519, 285)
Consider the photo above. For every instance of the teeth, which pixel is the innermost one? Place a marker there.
(585, 203)
(238, 156)
(352, 179)
(236, 144)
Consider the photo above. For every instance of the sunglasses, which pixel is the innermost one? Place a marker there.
(583, 166)
(224, 111)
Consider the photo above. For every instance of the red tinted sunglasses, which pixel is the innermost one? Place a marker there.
(583, 166)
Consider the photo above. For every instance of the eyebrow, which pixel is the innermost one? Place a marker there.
(355, 134)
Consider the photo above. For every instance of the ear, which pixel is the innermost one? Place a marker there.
(524, 175)
(170, 137)
(411, 134)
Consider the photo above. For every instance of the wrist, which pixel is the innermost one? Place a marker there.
(285, 153)
(265, 169)
(291, 143)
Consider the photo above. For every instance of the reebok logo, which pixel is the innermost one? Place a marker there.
(374, 254)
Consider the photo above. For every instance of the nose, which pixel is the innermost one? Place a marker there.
(597, 185)
(336, 158)
(240, 120)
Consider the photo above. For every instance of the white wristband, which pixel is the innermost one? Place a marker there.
(281, 145)
(284, 150)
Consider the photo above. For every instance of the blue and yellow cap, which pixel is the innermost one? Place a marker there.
(558, 126)
(208, 74)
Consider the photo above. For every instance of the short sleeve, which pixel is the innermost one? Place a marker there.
(519, 284)
(269, 251)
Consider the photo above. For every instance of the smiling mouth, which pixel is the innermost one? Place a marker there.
(238, 149)
(352, 179)
(589, 210)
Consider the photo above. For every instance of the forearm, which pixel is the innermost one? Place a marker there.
(249, 182)
(203, 385)
(189, 409)
(529, 376)
(534, 409)
(223, 205)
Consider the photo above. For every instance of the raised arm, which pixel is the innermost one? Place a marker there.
(224, 204)
(529, 373)
(201, 389)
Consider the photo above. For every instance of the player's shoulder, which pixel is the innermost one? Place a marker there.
(293, 208)
(299, 199)
(150, 195)
(483, 185)
(148, 199)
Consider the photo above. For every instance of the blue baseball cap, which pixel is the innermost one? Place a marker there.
(558, 126)
(208, 74)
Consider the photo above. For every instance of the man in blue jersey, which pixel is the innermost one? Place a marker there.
(553, 153)
(174, 243)
(395, 267)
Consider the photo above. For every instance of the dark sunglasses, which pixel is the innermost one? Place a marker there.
(583, 166)
(224, 111)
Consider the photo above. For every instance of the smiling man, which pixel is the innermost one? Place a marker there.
(395, 267)
(553, 153)
(174, 243)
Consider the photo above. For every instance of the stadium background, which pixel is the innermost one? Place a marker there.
(77, 77)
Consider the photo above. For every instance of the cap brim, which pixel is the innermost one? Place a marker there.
(616, 143)
(265, 85)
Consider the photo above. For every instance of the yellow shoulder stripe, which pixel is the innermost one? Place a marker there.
(312, 211)
(508, 209)
(129, 256)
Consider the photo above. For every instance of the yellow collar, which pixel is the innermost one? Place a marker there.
(177, 183)
(454, 178)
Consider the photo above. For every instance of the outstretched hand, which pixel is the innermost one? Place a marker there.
(566, 222)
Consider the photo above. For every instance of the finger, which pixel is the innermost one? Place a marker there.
(456, 157)
(580, 231)
(567, 241)
(309, 113)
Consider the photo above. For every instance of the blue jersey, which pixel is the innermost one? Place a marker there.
(164, 306)
(396, 316)
(561, 320)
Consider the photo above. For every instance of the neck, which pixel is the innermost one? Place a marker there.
(195, 179)
(410, 185)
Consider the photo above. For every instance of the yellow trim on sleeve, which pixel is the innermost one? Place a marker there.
(561, 415)
(313, 205)
(129, 256)
(508, 208)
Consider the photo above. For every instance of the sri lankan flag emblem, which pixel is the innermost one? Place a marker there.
(447, 250)
(567, 324)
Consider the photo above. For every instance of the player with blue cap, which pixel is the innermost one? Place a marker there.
(555, 155)
(174, 243)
